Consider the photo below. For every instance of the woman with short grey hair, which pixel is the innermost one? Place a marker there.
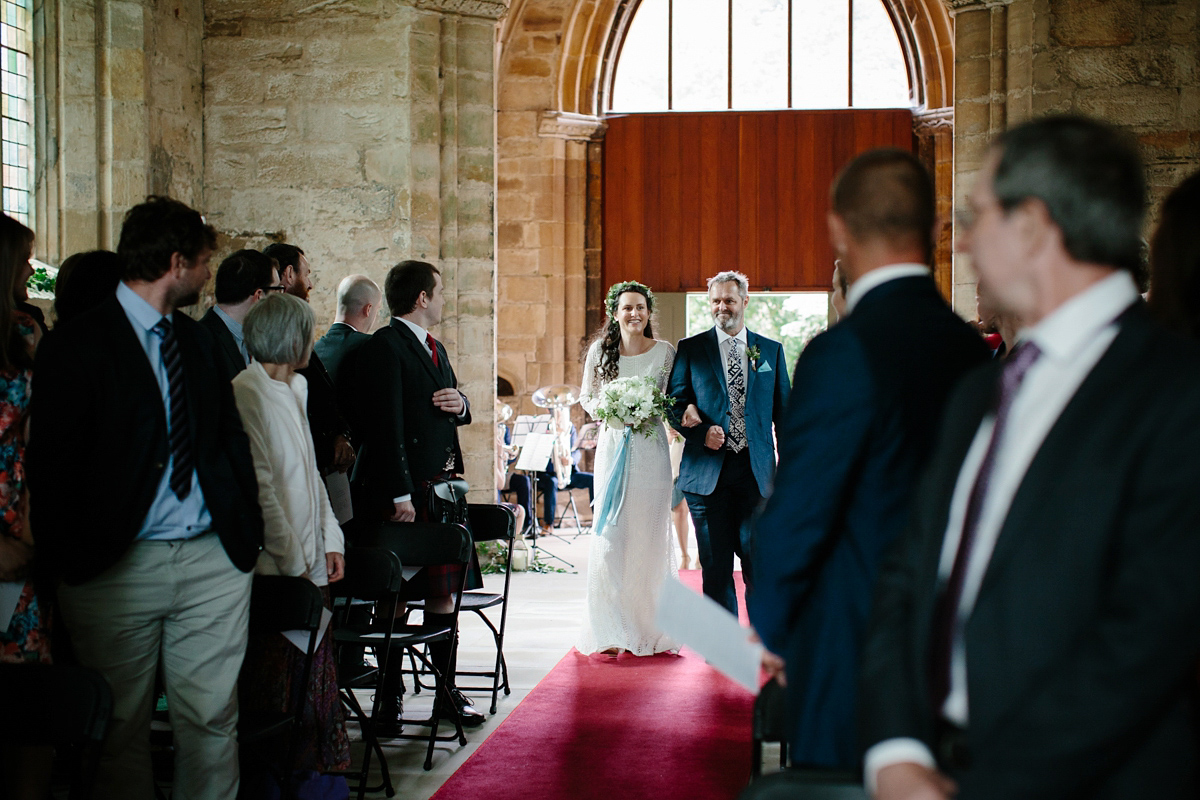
(301, 535)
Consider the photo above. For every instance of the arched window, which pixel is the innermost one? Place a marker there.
(709, 55)
(16, 70)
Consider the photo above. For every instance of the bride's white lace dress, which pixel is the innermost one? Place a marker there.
(629, 562)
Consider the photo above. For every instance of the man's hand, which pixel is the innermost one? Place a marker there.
(691, 416)
(909, 781)
(714, 438)
(335, 566)
(403, 512)
(449, 400)
(15, 557)
(343, 454)
(775, 667)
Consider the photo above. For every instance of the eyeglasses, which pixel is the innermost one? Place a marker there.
(279, 287)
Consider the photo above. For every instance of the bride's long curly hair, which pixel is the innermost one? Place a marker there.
(609, 335)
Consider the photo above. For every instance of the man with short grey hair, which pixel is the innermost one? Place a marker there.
(729, 385)
(358, 299)
(1036, 631)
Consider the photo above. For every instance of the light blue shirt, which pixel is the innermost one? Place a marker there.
(235, 328)
(169, 517)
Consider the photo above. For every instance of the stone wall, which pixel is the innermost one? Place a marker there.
(363, 133)
(117, 107)
(1135, 63)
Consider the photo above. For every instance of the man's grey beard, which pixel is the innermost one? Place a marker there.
(733, 323)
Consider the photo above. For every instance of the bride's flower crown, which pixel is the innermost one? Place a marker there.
(617, 289)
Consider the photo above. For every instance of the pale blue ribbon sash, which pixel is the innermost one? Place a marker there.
(613, 496)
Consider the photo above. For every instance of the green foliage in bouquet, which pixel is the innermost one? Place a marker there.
(634, 402)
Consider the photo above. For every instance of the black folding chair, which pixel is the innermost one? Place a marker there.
(768, 725)
(373, 574)
(806, 784)
(489, 523)
(64, 706)
(280, 603)
(427, 544)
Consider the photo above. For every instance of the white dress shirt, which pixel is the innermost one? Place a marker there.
(878, 277)
(1072, 340)
(723, 340)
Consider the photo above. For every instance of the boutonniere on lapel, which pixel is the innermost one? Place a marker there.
(755, 357)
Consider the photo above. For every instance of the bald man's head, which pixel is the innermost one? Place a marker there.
(358, 300)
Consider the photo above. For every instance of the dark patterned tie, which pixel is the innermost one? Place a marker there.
(432, 343)
(737, 398)
(177, 436)
(945, 614)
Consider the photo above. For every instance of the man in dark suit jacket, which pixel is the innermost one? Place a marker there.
(868, 397)
(330, 431)
(729, 384)
(147, 506)
(1036, 632)
(358, 299)
(242, 280)
(409, 410)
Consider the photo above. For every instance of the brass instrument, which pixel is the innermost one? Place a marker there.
(558, 398)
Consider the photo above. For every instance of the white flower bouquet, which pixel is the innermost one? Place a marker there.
(634, 402)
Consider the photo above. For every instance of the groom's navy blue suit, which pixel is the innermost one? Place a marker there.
(724, 489)
(869, 394)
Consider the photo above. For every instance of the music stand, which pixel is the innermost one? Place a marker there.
(536, 449)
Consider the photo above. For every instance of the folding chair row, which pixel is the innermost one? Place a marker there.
(374, 572)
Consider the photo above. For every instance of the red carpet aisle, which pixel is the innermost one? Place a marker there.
(655, 728)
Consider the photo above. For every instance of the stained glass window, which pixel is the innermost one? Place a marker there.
(16, 95)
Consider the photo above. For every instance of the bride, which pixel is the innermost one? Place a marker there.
(632, 556)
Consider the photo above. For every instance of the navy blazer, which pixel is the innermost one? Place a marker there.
(698, 377)
(98, 445)
(227, 347)
(338, 342)
(869, 394)
(1083, 641)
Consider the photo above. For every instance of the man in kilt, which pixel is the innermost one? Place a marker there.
(410, 409)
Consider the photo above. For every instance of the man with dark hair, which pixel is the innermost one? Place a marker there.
(1037, 629)
(330, 431)
(148, 506)
(409, 410)
(868, 396)
(243, 279)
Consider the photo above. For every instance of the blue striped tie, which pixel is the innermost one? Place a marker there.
(181, 445)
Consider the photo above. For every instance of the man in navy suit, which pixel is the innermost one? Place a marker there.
(729, 385)
(869, 395)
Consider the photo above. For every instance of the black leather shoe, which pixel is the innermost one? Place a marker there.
(468, 715)
(387, 718)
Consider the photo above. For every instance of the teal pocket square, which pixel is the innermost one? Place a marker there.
(764, 367)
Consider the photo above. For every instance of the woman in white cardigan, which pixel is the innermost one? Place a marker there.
(301, 534)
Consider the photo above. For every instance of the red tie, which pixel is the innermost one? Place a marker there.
(432, 344)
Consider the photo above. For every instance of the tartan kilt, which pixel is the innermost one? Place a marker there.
(442, 580)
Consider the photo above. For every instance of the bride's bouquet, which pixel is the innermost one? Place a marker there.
(634, 402)
(632, 405)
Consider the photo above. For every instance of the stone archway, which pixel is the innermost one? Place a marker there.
(556, 61)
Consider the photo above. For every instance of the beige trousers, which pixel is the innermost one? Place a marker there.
(186, 602)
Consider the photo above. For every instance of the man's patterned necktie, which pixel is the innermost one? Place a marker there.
(177, 428)
(737, 398)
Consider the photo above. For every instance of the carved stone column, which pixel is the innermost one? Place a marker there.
(935, 145)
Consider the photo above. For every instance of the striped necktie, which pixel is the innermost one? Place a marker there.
(178, 424)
